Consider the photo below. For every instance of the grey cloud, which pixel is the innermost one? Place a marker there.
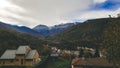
(50, 12)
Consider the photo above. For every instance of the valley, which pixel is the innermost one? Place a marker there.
(95, 34)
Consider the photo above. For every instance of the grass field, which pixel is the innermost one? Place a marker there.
(58, 63)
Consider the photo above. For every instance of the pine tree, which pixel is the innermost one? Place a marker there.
(81, 53)
(97, 54)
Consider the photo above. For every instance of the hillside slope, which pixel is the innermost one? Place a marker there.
(11, 38)
(27, 30)
(89, 33)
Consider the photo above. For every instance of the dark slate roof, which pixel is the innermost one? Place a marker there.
(31, 54)
(22, 49)
(8, 54)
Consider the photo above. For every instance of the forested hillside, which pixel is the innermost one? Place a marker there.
(88, 33)
(11, 39)
(111, 42)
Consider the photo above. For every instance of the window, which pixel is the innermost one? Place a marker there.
(22, 61)
(3, 62)
(17, 59)
(11, 61)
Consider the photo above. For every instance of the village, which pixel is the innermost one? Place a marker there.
(57, 57)
(82, 57)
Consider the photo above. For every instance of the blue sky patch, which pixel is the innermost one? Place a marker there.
(108, 5)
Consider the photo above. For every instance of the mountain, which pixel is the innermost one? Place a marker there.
(58, 28)
(27, 30)
(11, 38)
(22, 29)
(48, 31)
(7, 27)
(39, 30)
(42, 29)
(88, 33)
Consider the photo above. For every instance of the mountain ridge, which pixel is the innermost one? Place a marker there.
(39, 30)
(86, 34)
(21, 29)
(48, 31)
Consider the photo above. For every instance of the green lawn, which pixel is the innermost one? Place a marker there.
(58, 63)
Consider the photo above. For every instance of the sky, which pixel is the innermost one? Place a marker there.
(51, 12)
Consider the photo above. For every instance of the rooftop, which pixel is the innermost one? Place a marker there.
(8, 54)
(11, 54)
(31, 54)
(22, 49)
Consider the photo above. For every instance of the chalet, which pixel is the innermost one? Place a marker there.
(91, 63)
(23, 56)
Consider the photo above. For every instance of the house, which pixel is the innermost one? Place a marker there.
(54, 55)
(91, 63)
(23, 56)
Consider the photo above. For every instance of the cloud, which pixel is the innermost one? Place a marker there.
(98, 14)
(99, 1)
(50, 12)
(9, 11)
